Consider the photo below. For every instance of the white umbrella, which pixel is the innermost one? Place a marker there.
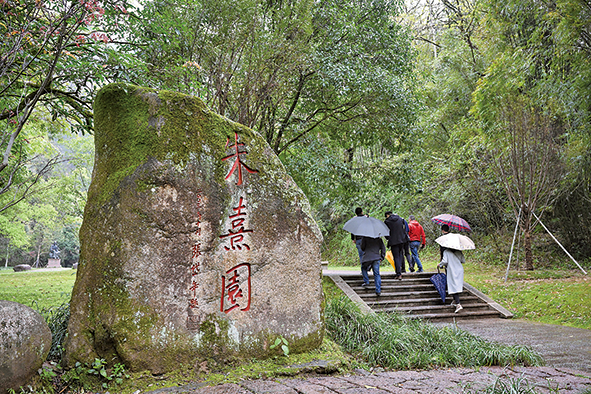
(455, 241)
(366, 226)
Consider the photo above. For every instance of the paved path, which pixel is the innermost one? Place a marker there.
(561, 346)
(459, 380)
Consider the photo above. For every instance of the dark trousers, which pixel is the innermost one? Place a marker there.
(398, 255)
(359, 251)
(411, 266)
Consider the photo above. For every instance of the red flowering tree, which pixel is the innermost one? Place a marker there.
(53, 54)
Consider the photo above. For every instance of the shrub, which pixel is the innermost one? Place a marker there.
(57, 319)
(393, 341)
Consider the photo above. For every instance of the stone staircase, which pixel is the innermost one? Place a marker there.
(416, 297)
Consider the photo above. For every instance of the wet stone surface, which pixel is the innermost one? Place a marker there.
(459, 380)
(560, 346)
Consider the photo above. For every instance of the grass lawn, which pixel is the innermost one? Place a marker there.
(546, 296)
(38, 289)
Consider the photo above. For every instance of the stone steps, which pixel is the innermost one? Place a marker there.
(415, 297)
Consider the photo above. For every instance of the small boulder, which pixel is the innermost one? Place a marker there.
(25, 341)
(21, 267)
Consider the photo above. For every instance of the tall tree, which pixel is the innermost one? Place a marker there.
(520, 117)
(530, 165)
(286, 68)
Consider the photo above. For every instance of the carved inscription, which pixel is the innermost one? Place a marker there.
(236, 282)
(236, 289)
(237, 231)
(193, 317)
(238, 163)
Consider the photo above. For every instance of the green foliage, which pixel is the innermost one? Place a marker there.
(54, 211)
(506, 386)
(283, 343)
(392, 341)
(339, 250)
(370, 178)
(87, 375)
(300, 68)
(57, 45)
(57, 318)
(53, 56)
(69, 245)
(474, 59)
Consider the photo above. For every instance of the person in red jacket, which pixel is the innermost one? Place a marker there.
(417, 240)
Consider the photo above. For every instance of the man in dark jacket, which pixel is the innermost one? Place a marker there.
(357, 238)
(374, 252)
(396, 240)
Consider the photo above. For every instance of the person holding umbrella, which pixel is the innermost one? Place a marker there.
(374, 252)
(369, 230)
(452, 260)
(357, 238)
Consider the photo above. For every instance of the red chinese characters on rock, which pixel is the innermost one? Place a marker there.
(236, 281)
(236, 289)
(237, 232)
(238, 163)
(193, 319)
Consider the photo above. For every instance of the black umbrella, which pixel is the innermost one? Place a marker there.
(366, 226)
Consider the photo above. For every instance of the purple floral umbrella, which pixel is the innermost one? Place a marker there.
(452, 221)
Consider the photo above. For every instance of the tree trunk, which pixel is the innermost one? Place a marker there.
(38, 254)
(529, 258)
(6, 262)
(349, 153)
(348, 159)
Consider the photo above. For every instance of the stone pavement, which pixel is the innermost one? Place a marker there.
(566, 350)
(458, 380)
(560, 346)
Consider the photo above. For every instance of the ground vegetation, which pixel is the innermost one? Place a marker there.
(387, 342)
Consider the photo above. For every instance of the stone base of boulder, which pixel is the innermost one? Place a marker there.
(21, 267)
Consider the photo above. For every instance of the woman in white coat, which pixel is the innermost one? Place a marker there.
(452, 261)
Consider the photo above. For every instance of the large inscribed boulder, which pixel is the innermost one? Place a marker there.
(195, 243)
